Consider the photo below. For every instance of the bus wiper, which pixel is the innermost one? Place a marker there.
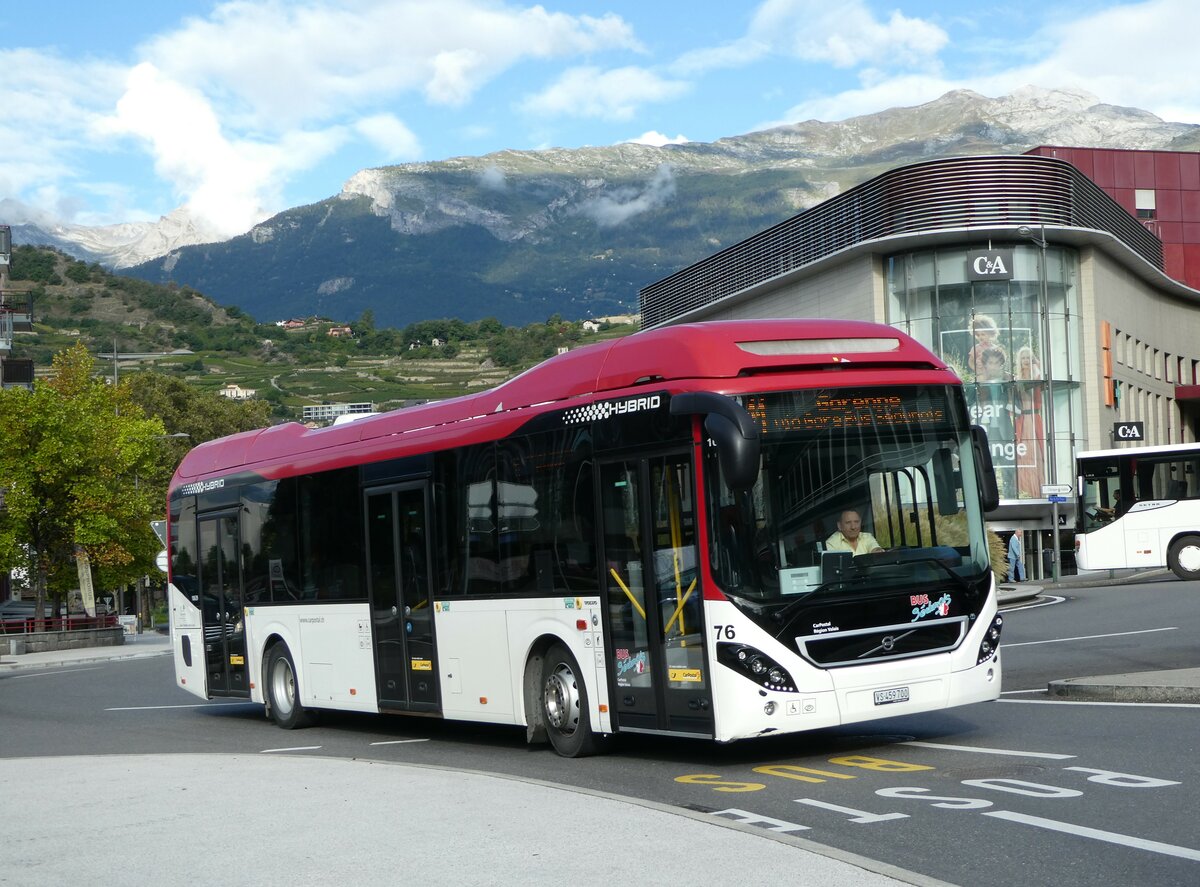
(860, 577)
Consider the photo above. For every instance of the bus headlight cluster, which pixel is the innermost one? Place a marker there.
(991, 640)
(757, 666)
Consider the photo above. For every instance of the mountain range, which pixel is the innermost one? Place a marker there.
(522, 235)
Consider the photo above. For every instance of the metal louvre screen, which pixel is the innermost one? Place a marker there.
(963, 192)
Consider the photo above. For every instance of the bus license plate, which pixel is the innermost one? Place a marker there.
(895, 694)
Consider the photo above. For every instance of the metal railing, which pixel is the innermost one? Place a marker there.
(79, 622)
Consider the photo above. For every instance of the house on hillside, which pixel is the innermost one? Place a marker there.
(341, 332)
(234, 391)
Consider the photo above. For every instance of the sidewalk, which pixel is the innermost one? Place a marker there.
(136, 646)
(325, 820)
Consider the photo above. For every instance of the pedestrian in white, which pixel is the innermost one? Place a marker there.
(1016, 557)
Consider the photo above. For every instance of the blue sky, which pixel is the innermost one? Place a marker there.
(123, 111)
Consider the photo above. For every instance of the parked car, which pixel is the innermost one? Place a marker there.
(14, 614)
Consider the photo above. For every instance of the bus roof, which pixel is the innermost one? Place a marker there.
(1183, 449)
(643, 361)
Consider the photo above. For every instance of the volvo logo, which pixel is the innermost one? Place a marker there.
(887, 643)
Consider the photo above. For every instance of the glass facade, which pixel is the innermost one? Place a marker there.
(1013, 341)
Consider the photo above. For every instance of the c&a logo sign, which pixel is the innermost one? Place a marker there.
(990, 264)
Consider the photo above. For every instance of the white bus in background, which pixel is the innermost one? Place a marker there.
(1139, 508)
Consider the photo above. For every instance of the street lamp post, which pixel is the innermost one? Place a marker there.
(138, 590)
(1047, 368)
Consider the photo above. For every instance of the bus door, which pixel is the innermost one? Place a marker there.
(400, 595)
(220, 582)
(655, 642)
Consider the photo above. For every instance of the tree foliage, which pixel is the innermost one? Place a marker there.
(72, 454)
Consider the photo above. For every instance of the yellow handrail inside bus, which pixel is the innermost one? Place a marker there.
(679, 609)
(628, 593)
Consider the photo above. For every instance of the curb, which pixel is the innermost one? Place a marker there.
(1096, 690)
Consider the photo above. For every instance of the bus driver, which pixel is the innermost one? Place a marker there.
(851, 537)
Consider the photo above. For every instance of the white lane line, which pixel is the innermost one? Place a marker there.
(1015, 692)
(1098, 835)
(267, 751)
(1092, 702)
(991, 751)
(398, 741)
(197, 705)
(1051, 600)
(1090, 637)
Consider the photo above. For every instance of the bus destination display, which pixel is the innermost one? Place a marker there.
(823, 410)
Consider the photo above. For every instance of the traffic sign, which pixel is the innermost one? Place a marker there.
(161, 560)
(1057, 498)
(1056, 490)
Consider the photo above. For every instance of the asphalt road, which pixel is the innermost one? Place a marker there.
(1026, 790)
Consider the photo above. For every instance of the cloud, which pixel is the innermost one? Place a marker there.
(609, 95)
(493, 178)
(656, 139)
(1104, 54)
(1139, 54)
(844, 35)
(225, 181)
(624, 203)
(286, 64)
(395, 141)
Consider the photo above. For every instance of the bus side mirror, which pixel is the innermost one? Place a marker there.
(988, 491)
(727, 423)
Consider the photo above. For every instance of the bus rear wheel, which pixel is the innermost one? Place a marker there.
(1184, 557)
(565, 706)
(283, 690)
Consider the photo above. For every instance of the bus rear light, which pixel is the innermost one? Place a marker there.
(991, 641)
(483, 700)
(603, 708)
(581, 624)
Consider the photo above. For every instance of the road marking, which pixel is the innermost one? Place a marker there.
(1091, 702)
(267, 751)
(1098, 834)
(398, 741)
(1012, 692)
(1090, 637)
(1052, 599)
(991, 751)
(196, 705)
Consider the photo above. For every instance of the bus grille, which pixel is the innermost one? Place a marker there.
(880, 644)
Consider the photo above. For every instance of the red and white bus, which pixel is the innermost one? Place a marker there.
(631, 537)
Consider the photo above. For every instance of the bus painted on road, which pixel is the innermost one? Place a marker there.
(1139, 508)
(634, 536)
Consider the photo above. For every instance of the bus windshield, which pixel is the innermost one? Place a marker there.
(862, 493)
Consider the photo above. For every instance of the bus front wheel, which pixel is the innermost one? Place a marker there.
(565, 706)
(1184, 557)
(283, 690)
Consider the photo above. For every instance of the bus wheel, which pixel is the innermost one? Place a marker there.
(283, 690)
(565, 706)
(1184, 557)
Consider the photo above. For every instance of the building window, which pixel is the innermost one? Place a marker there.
(1144, 203)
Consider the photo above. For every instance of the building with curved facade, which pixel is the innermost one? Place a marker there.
(1047, 291)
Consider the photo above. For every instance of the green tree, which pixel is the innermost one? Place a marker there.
(72, 451)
